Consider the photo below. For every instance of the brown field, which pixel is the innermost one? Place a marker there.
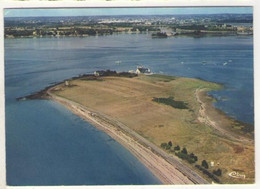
(202, 129)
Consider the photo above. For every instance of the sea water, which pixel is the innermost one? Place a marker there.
(48, 145)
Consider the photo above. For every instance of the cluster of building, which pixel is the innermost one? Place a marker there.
(99, 25)
(138, 71)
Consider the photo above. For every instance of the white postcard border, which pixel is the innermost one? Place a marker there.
(142, 3)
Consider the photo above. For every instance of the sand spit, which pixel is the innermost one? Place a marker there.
(167, 168)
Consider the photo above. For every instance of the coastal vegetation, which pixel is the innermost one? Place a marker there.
(191, 159)
(183, 154)
(198, 134)
(171, 102)
(209, 174)
(204, 164)
(217, 172)
(159, 35)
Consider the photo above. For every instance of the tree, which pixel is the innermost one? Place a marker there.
(170, 143)
(192, 156)
(205, 164)
(165, 146)
(217, 172)
(184, 151)
(168, 147)
(177, 148)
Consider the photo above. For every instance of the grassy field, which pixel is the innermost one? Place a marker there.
(132, 101)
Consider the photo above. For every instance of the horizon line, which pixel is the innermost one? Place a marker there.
(124, 15)
(124, 11)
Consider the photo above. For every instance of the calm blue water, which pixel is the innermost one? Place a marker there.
(51, 146)
(48, 145)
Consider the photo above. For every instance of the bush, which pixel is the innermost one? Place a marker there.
(205, 164)
(195, 158)
(198, 166)
(165, 146)
(190, 160)
(180, 155)
(127, 74)
(184, 151)
(206, 172)
(217, 172)
(177, 148)
(168, 147)
(185, 157)
(170, 143)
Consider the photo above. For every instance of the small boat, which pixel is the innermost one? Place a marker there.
(225, 63)
(118, 62)
(229, 60)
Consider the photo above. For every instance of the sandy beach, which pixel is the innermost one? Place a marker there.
(167, 168)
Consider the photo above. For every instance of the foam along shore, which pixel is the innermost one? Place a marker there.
(168, 169)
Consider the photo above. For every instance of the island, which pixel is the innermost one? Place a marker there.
(169, 123)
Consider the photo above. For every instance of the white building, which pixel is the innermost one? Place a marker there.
(142, 70)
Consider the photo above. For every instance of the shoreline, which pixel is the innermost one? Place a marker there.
(167, 168)
(217, 124)
(203, 34)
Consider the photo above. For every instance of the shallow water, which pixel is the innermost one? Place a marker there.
(51, 146)
(48, 145)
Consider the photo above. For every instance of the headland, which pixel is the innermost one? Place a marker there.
(168, 123)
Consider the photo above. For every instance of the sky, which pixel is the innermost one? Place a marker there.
(124, 11)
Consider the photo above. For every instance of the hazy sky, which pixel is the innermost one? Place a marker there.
(124, 11)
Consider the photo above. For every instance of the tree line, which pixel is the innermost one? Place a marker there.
(192, 158)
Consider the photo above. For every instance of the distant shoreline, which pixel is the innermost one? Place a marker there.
(189, 34)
